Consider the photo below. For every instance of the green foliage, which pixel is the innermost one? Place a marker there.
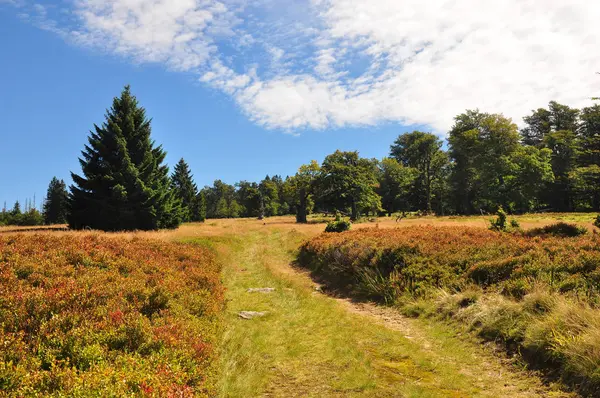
(301, 188)
(124, 185)
(338, 226)
(597, 221)
(561, 229)
(347, 181)
(422, 152)
(56, 206)
(484, 148)
(221, 201)
(199, 207)
(186, 191)
(563, 144)
(586, 186)
(30, 217)
(396, 182)
(500, 223)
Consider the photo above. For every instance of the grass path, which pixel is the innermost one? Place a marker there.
(313, 345)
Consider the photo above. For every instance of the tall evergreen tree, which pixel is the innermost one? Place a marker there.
(125, 185)
(56, 204)
(16, 210)
(186, 190)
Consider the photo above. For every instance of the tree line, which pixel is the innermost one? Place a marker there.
(551, 164)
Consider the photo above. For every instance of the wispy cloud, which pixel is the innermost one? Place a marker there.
(328, 63)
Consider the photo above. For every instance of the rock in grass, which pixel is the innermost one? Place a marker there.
(261, 290)
(251, 314)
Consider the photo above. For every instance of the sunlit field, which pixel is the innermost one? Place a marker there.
(81, 309)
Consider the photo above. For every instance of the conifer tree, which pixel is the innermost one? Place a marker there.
(199, 208)
(185, 190)
(125, 185)
(56, 204)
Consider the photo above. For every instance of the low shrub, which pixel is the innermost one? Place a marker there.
(92, 316)
(338, 226)
(560, 229)
(499, 224)
(597, 221)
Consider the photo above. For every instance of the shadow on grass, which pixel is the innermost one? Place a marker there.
(34, 229)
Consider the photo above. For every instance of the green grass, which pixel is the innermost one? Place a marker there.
(311, 345)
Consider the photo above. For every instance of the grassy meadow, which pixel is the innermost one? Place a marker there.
(156, 313)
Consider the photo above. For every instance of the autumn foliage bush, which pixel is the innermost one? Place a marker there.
(419, 260)
(96, 316)
(540, 295)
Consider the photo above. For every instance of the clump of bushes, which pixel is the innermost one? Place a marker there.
(560, 229)
(338, 225)
(501, 222)
(78, 313)
(597, 221)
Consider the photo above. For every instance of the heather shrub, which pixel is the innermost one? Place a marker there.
(560, 229)
(338, 226)
(92, 316)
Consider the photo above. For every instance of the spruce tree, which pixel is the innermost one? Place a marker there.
(125, 185)
(186, 190)
(56, 204)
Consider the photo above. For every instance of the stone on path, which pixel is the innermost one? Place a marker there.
(261, 290)
(251, 314)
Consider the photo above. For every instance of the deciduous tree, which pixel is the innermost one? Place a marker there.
(348, 181)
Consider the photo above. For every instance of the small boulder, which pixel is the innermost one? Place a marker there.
(251, 314)
(261, 290)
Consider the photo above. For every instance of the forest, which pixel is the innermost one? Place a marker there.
(487, 162)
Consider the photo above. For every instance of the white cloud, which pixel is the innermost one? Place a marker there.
(332, 63)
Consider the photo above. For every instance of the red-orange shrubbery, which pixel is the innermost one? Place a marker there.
(86, 315)
(415, 260)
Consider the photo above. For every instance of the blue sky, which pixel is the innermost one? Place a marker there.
(52, 93)
(243, 90)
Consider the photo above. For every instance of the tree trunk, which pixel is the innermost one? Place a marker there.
(428, 188)
(301, 211)
(354, 215)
